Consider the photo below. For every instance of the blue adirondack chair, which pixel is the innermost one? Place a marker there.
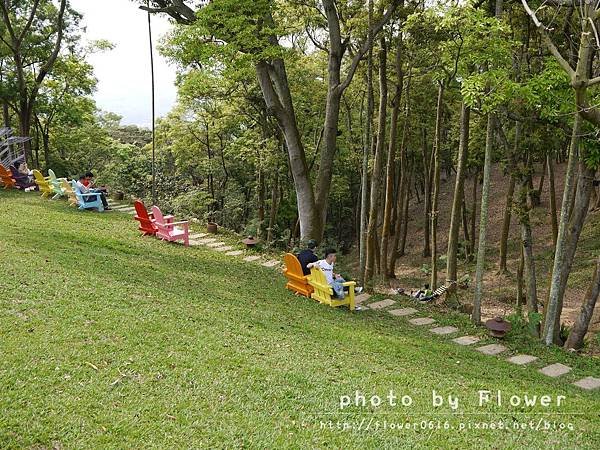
(87, 201)
(55, 184)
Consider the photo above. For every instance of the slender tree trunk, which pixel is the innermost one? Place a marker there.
(391, 161)
(520, 287)
(502, 269)
(378, 163)
(368, 141)
(551, 312)
(465, 226)
(436, 186)
(427, 196)
(473, 215)
(575, 339)
(483, 221)
(406, 202)
(274, 207)
(527, 243)
(463, 152)
(553, 218)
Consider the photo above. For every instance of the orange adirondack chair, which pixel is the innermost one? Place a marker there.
(297, 281)
(168, 230)
(6, 178)
(147, 226)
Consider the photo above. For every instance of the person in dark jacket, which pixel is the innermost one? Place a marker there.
(308, 256)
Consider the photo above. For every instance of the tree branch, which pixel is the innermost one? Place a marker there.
(546, 38)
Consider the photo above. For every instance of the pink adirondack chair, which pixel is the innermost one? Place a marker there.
(170, 231)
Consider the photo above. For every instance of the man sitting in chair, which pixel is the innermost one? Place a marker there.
(335, 280)
(307, 256)
(83, 187)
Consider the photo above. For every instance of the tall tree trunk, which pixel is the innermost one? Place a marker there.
(274, 207)
(378, 163)
(553, 219)
(391, 161)
(455, 218)
(483, 221)
(527, 243)
(368, 138)
(427, 195)
(551, 312)
(406, 202)
(402, 185)
(436, 185)
(465, 226)
(520, 287)
(473, 215)
(502, 269)
(575, 339)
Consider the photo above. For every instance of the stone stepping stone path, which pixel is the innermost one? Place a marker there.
(555, 370)
(443, 330)
(223, 249)
(194, 242)
(215, 244)
(198, 235)
(588, 383)
(271, 263)
(466, 340)
(361, 298)
(251, 258)
(491, 349)
(381, 304)
(235, 253)
(402, 312)
(521, 360)
(422, 321)
(207, 241)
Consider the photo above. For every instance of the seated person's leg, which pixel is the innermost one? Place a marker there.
(104, 202)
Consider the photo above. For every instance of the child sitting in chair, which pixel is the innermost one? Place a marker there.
(335, 280)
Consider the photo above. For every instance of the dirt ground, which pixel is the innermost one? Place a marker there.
(500, 290)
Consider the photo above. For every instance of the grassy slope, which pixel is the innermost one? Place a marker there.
(109, 339)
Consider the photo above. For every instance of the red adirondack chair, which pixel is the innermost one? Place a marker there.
(170, 231)
(147, 226)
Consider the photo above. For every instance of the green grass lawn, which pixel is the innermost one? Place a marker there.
(111, 340)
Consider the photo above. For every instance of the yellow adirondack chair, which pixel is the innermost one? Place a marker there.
(43, 184)
(324, 293)
(69, 191)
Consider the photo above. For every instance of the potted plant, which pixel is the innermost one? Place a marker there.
(211, 226)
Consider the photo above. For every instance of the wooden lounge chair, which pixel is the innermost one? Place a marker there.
(324, 292)
(90, 200)
(23, 181)
(439, 291)
(70, 193)
(170, 231)
(42, 183)
(297, 281)
(56, 184)
(147, 225)
(7, 179)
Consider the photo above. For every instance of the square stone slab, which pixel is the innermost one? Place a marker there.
(235, 253)
(207, 241)
(215, 244)
(422, 321)
(491, 349)
(223, 249)
(382, 304)
(466, 340)
(194, 242)
(198, 235)
(402, 312)
(271, 263)
(251, 258)
(555, 370)
(361, 298)
(522, 359)
(444, 330)
(588, 383)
